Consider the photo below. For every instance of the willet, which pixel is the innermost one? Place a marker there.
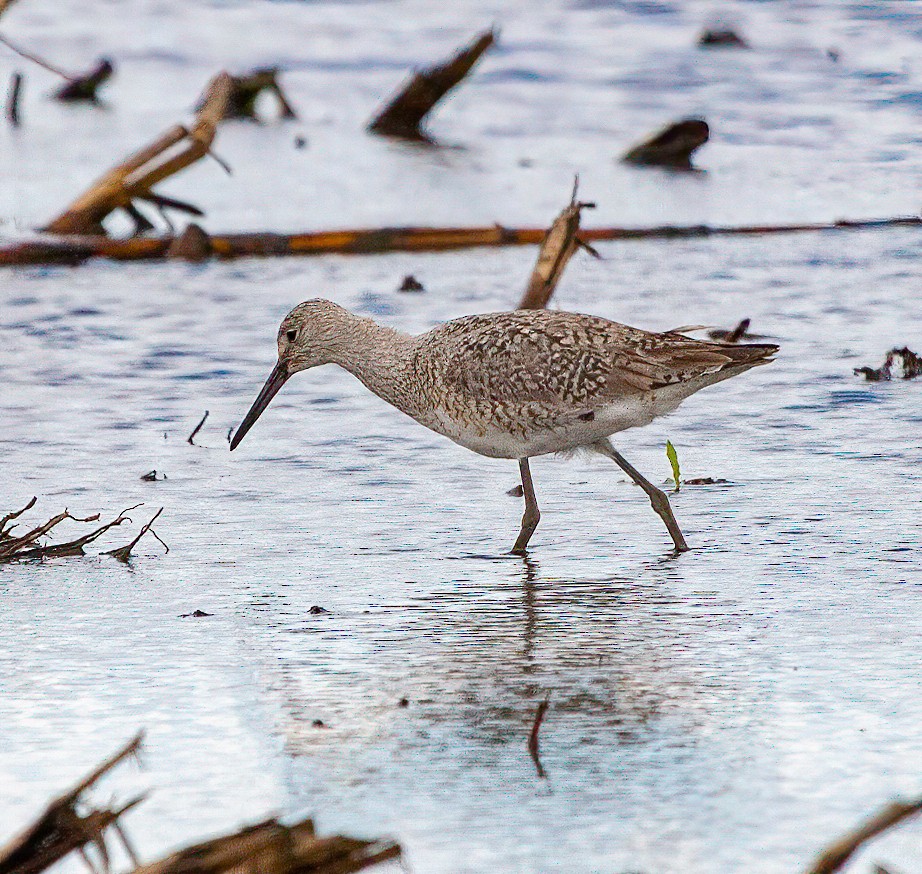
(514, 384)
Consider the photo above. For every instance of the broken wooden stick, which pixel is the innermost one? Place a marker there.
(672, 147)
(373, 241)
(403, 115)
(67, 825)
(135, 177)
(272, 848)
(838, 853)
(246, 89)
(557, 247)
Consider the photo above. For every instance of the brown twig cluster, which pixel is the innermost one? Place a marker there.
(22, 547)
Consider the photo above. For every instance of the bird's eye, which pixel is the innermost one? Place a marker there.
(291, 335)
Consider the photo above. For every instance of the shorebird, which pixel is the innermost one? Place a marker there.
(514, 384)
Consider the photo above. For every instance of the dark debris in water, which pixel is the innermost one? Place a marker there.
(910, 363)
(672, 147)
(411, 283)
(317, 610)
(723, 39)
(195, 614)
(153, 477)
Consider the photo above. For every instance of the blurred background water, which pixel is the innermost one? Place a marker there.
(730, 709)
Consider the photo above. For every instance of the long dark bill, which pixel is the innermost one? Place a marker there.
(275, 381)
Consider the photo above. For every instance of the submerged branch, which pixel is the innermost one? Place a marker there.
(26, 546)
(78, 249)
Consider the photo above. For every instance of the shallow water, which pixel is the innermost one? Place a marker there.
(730, 709)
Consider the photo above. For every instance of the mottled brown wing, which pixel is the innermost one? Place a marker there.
(569, 361)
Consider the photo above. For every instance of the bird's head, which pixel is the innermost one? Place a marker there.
(308, 337)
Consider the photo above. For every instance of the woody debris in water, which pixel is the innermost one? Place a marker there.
(27, 546)
(84, 88)
(724, 38)
(70, 823)
(403, 116)
(245, 91)
(134, 178)
(558, 246)
(837, 854)
(672, 147)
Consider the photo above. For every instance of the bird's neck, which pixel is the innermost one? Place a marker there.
(379, 357)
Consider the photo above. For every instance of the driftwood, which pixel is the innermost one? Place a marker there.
(910, 362)
(403, 115)
(557, 247)
(84, 88)
(837, 854)
(272, 848)
(26, 546)
(672, 147)
(78, 249)
(134, 178)
(12, 99)
(246, 89)
(61, 829)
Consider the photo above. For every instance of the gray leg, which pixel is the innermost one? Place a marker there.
(532, 513)
(657, 496)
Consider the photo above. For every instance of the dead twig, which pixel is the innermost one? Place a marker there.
(403, 115)
(557, 247)
(196, 429)
(135, 177)
(41, 62)
(12, 99)
(838, 853)
(61, 829)
(533, 749)
(123, 553)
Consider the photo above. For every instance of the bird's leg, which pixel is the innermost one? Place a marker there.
(657, 496)
(532, 513)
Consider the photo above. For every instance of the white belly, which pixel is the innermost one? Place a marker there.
(528, 441)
